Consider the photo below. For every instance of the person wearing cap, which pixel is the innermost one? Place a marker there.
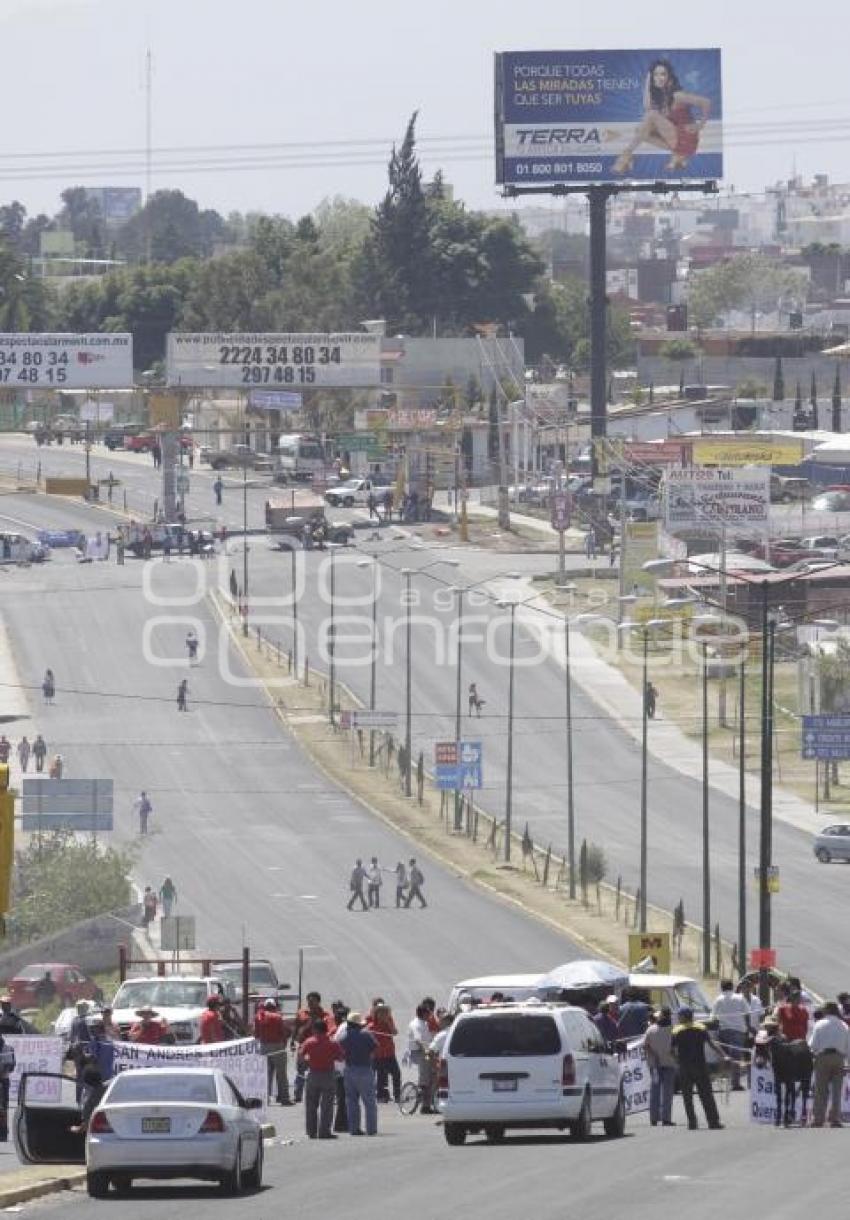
(830, 1045)
(211, 1027)
(606, 1022)
(150, 1029)
(321, 1054)
(10, 1022)
(358, 1047)
(688, 1042)
(79, 1031)
(273, 1031)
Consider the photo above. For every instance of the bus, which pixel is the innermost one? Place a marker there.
(299, 455)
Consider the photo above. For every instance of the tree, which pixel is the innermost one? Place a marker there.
(82, 215)
(169, 227)
(778, 382)
(25, 303)
(748, 281)
(12, 219)
(678, 350)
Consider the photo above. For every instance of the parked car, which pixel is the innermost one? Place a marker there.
(832, 502)
(833, 843)
(118, 436)
(238, 457)
(160, 1123)
(786, 489)
(532, 1065)
(16, 548)
(515, 986)
(70, 982)
(263, 983)
(179, 999)
(819, 546)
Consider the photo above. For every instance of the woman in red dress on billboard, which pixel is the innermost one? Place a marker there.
(668, 119)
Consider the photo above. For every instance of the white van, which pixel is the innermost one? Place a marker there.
(527, 1065)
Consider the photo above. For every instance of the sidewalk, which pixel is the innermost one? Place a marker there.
(616, 696)
(25, 1182)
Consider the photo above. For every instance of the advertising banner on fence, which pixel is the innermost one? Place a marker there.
(608, 116)
(698, 496)
(240, 1060)
(66, 362)
(36, 1054)
(747, 452)
(275, 361)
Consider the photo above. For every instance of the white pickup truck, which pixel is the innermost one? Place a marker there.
(178, 999)
(354, 491)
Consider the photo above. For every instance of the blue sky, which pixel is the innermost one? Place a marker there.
(314, 80)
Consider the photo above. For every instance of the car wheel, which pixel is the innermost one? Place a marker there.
(455, 1134)
(580, 1129)
(348, 502)
(823, 855)
(253, 1178)
(615, 1126)
(494, 1134)
(123, 1183)
(97, 1185)
(232, 1182)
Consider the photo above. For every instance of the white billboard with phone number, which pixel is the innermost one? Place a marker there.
(66, 362)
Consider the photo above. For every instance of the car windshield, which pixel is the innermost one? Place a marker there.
(29, 973)
(169, 993)
(259, 976)
(504, 1035)
(187, 1086)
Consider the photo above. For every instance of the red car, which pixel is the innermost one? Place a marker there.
(145, 441)
(26, 988)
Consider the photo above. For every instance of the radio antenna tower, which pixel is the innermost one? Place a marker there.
(148, 149)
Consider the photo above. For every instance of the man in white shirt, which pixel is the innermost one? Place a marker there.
(374, 881)
(732, 1012)
(830, 1044)
(418, 1045)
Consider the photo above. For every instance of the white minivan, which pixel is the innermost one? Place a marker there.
(527, 1065)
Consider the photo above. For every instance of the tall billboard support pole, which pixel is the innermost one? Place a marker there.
(598, 197)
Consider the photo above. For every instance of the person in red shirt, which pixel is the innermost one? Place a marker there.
(320, 1053)
(273, 1032)
(150, 1029)
(432, 1018)
(793, 1017)
(212, 1029)
(304, 1019)
(380, 1023)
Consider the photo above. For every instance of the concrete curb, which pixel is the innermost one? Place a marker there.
(37, 1190)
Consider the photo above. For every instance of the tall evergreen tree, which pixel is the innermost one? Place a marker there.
(778, 382)
(836, 398)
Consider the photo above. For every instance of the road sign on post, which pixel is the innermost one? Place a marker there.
(67, 804)
(826, 737)
(177, 933)
(655, 945)
(458, 764)
(762, 959)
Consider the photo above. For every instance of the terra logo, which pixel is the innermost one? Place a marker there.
(560, 136)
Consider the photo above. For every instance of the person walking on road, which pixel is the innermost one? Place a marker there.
(48, 686)
(167, 896)
(144, 809)
(416, 880)
(662, 1068)
(358, 1047)
(183, 696)
(688, 1041)
(5, 748)
(24, 750)
(375, 881)
(192, 645)
(218, 488)
(650, 698)
(732, 1013)
(400, 882)
(830, 1045)
(475, 701)
(39, 752)
(320, 1054)
(356, 883)
(119, 548)
(149, 905)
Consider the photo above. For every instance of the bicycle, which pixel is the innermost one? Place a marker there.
(411, 1097)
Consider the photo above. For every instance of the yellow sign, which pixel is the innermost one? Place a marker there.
(747, 452)
(164, 411)
(650, 944)
(66, 487)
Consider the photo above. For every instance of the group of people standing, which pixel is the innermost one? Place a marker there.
(365, 884)
(35, 751)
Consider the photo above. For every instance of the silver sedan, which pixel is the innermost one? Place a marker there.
(174, 1123)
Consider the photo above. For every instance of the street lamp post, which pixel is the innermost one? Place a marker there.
(706, 859)
(407, 573)
(294, 582)
(742, 822)
(509, 771)
(458, 818)
(571, 816)
(332, 644)
(245, 547)
(373, 677)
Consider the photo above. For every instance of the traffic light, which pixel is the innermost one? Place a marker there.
(7, 838)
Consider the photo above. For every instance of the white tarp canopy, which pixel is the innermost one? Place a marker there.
(585, 974)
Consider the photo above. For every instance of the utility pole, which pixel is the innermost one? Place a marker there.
(742, 823)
